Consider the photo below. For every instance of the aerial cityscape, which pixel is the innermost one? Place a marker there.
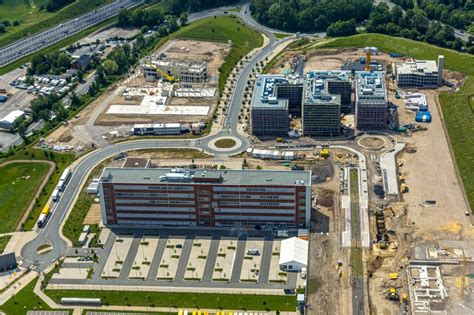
(236, 157)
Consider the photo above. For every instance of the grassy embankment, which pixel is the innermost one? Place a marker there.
(184, 300)
(33, 21)
(4, 239)
(61, 161)
(24, 301)
(19, 183)
(457, 108)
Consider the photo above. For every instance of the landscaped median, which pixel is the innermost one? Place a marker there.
(184, 300)
(458, 112)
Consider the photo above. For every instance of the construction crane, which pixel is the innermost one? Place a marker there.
(368, 56)
(163, 74)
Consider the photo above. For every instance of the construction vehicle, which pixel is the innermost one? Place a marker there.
(401, 179)
(403, 188)
(163, 74)
(393, 295)
(393, 276)
(404, 299)
(324, 151)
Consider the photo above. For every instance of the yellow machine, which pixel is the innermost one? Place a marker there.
(393, 295)
(324, 152)
(163, 74)
(393, 276)
(403, 188)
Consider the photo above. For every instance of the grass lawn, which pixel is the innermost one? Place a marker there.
(457, 112)
(3, 242)
(32, 20)
(188, 300)
(24, 301)
(19, 183)
(61, 161)
(225, 143)
(222, 29)
(281, 35)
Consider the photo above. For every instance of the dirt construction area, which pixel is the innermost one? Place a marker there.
(211, 52)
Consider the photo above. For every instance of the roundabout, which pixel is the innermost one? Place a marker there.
(225, 144)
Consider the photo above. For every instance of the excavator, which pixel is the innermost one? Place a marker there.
(163, 74)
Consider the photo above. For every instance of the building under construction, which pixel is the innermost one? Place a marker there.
(335, 82)
(269, 114)
(321, 109)
(371, 100)
(179, 70)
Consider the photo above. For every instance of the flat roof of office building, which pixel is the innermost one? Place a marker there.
(264, 95)
(205, 176)
(418, 67)
(370, 86)
(316, 88)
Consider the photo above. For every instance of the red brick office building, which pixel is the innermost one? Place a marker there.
(198, 197)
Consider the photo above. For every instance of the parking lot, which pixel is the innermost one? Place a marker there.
(233, 260)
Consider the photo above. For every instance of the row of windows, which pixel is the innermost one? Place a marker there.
(129, 194)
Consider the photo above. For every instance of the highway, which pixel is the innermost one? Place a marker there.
(53, 35)
(50, 233)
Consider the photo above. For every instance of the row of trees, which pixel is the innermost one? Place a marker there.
(54, 5)
(176, 7)
(457, 13)
(414, 24)
(53, 63)
(308, 15)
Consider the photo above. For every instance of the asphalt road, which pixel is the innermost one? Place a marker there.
(53, 35)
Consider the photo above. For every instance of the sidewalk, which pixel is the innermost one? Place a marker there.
(16, 287)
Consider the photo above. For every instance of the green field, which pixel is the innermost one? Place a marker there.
(4, 241)
(24, 301)
(457, 111)
(222, 29)
(18, 185)
(32, 20)
(188, 300)
(61, 161)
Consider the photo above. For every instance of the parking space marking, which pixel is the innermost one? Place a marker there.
(252, 259)
(170, 259)
(142, 261)
(117, 256)
(225, 259)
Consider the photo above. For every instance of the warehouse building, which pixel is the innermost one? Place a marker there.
(183, 70)
(293, 254)
(335, 82)
(269, 114)
(371, 101)
(7, 121)
(201, 197)
(157, 129)
(420, 73)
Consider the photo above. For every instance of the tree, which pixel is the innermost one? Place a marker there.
(2, 29)
(342, 28)
(110, 67)
(183, 18)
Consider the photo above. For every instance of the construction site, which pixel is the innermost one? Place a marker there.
(420, 258)
(158, 91)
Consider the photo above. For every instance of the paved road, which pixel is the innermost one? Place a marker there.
(53, 35)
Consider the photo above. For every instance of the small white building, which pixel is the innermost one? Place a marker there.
(7, 121)
(293, 254)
